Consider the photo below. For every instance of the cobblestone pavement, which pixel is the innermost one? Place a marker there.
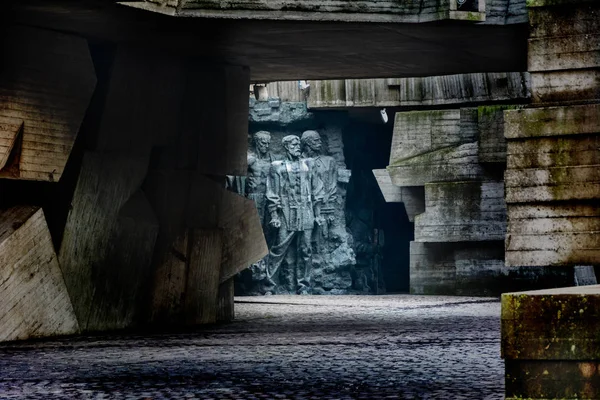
(281, 347)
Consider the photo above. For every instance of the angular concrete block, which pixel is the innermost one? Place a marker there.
(552, 324)
(458, 163)
(108, 240)
(462, 211)
(553, 234)
(548, 152)
(47, 82)
(552, 121)
(564, 53)
(550, 342)
(456, 268)
(420, 132)
(34, 301)
(202, 280)
(492, 144)
(413, 197)
(567, 85)
(552, 184)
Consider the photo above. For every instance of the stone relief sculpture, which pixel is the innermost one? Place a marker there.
(326, 169)
(294, 197)
(259, 164)
(295, 189)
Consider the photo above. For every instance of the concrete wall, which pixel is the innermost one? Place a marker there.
(149, 235)
(498, 12)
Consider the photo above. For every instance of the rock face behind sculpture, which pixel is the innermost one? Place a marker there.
(332, 253)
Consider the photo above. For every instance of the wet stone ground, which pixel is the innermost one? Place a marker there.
(281, 347)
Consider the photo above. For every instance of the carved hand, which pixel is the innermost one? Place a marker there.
(320, 220)
(275, 222)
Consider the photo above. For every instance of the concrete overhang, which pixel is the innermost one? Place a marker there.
(287, 50)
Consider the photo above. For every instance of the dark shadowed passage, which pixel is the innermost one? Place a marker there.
(281, 347)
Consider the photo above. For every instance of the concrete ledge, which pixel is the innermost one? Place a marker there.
(555, 3)
(551, 343)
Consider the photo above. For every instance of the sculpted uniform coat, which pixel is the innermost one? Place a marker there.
(256, 183)
(293, 188)
(326, 169)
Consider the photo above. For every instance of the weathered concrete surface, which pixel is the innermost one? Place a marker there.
(462, 212)
(457, 241)
(564, 51)
(34, 301)
(500, 11)
(457, 268)
(552, 184)
(289, 50)
(107, 246)
(413, 197)
(419, 91)
(435, 146)
(492, 143)
(325, 347)
(550, 343)
(41, 109)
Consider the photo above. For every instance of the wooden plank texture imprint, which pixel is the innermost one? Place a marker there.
(418, 91)
(462, 211)
(553, 234)
(47, 82)
(565, 85)
(492, 143)
(34, 301)
(552, 121)
(420, 132)
(202, 281)
(108, 239)
(456, 163)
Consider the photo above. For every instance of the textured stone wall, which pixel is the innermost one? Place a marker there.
(553, 194)
(417, 91)
(552, 176)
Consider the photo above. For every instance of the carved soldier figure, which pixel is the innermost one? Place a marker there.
(294, 196)
(326, 169)
(259, 164)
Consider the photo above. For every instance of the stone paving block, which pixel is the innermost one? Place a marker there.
(291, 347)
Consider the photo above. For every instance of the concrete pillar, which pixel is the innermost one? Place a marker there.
(152, 235)
(552, 195)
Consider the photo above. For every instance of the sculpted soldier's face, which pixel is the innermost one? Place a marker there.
(262, 144)
(293, 148)
(314, 143)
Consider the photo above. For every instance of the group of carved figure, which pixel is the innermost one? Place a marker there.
(296, 198)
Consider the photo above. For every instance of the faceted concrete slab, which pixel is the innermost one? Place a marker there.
(34, 301)
(43, 97)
